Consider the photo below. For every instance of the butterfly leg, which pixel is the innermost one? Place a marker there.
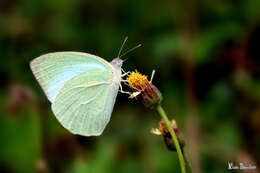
(133, 94)
(122, 91)
(127, 83)
(124, 81)
(123, 70)
(126, 74)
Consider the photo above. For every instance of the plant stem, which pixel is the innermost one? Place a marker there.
(174, 137)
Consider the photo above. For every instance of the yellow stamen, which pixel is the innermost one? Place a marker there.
(137, 80)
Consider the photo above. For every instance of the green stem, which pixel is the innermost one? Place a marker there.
(187, 163)
(174, 137)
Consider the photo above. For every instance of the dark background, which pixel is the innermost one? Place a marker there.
(206, 57)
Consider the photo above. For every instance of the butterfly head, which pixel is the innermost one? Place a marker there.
(117, 62)
(117, 73)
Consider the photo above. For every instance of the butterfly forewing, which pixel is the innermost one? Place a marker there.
(53, 70)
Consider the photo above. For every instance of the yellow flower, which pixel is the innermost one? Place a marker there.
(139, 83)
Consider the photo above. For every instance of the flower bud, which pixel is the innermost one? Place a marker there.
(167, 136)
(164, 131)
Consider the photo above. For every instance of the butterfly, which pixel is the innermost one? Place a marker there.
(81, 87)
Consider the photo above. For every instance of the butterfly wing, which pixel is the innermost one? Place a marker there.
(80, 87)
(85, 103)
(53, 70)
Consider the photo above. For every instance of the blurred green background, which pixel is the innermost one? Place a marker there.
(206, 57)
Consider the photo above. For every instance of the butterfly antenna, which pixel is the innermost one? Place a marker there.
(130, 50)
(122, 46)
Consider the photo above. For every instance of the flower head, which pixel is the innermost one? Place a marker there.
(164, 131)
(139, 83)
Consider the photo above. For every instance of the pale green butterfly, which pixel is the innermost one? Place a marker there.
(81, 87)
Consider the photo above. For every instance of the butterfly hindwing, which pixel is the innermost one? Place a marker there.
(85, 103)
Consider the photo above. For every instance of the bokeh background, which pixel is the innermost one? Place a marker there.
(206, 57)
